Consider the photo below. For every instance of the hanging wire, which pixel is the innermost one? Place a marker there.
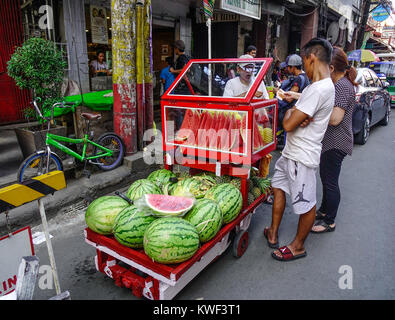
(301, 14)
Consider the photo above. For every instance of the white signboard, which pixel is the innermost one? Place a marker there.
(99, 25)
(250, 8)
(12, 249)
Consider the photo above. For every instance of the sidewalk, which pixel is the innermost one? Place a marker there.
(100, 183)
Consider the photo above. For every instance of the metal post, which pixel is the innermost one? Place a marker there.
(49, 245)
(140, 72)
(209, 57)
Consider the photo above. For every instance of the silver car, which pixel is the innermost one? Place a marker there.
(373, 104)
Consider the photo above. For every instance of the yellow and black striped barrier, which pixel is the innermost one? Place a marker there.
(20, 193)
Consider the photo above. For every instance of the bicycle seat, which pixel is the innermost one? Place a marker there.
(91, 116)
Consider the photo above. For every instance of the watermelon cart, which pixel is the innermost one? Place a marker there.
(220, 135)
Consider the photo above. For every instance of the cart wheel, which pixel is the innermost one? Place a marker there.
(240, 244)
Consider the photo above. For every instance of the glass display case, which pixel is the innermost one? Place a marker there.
(219, 111)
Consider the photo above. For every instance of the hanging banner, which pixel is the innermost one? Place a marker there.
(249, 8)
(381, 13)
(99, 29)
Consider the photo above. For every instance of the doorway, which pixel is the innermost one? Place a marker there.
(162, 40)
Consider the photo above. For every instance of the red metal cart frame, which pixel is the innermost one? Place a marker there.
(156, 281)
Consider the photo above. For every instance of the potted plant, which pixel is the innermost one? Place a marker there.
(38, 66)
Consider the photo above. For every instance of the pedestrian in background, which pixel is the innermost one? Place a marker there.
(295, 171)
(251, 50)
(166, 76)
(338, 140)
(182, 87)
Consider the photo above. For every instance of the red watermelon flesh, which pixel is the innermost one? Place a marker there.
(201, 127)
(234, 133)
(203, 137)
(185, 130)
(214, 131)
(224, 135)
(193, 137)
(170, 205)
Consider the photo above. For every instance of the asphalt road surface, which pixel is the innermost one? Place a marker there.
(360, 249)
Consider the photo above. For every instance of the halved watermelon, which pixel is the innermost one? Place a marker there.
(166, 206)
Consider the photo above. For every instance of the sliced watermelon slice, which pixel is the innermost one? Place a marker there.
(223, 135)
(203, 137)
(186, 126)
(164, 206)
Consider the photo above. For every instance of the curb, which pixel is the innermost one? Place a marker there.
(78, 189)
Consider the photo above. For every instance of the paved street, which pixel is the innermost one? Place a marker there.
(363, 240)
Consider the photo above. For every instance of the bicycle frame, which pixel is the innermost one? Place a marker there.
(52, 139)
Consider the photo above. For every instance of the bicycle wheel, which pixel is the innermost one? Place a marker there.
(113, 142)
(36, 164)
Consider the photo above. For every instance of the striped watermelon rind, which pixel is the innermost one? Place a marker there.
(161, 177)
(141, 187)
(229, 199)
(194, 186)
(101, 213)
(171, 240)
(206, 216)
(130, 225)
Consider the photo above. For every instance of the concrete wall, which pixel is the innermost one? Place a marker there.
(74, 22)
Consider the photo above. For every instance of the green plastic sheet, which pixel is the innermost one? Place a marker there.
(96, 101)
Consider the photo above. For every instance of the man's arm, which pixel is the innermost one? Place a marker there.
(294, 118)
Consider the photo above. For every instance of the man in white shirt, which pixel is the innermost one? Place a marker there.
(295, 170)
(239, 86)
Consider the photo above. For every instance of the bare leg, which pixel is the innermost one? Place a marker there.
(277, 214)
(306, 221)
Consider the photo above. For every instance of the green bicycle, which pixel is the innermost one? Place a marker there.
(108, 150)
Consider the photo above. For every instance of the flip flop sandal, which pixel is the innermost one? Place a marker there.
(327, 227)
(271, 245)
(269, 200)
(287, 255)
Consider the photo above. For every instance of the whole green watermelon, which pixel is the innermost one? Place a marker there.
(195, 186)
(130, 225)
(229, 199)
(206, 216)
(101, 213)
(162, 177)
(141, 187)
(171, 240)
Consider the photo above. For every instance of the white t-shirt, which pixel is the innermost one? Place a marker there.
(304, 144)
(234, 87)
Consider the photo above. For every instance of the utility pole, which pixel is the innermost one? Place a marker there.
(365, 15)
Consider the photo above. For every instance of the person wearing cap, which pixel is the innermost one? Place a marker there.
(181, 88)
(182, 58)
(294, 68)
(239, 86)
